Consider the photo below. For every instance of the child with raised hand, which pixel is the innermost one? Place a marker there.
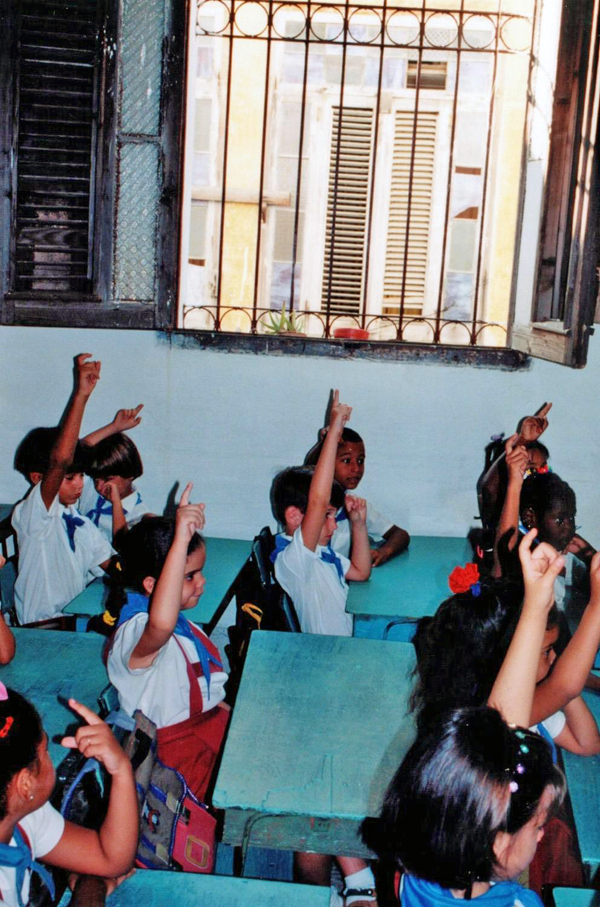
(110, 499)
(160, 662)
(390, 539)
(30, 827)
(59, 550)
(484, 629)
(305, 501)
(464, 813)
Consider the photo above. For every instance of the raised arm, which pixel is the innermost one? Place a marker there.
(118, 514)
(87, 375)
(319, 495)
(516, 463)
(124, 420)
(514, 689)
(110, 851)
(571, 670)
(360, 551)
(166, 598)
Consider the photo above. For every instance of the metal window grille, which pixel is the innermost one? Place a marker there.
(55, 125)
(372, 205)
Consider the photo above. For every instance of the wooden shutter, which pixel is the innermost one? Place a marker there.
(347, 207)
(56, 120)
(420, 190)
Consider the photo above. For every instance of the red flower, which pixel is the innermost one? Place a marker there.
(462, 578)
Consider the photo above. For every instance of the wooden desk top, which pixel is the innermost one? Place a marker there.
(49, 664)
(155, 889)
(583, 780)
(318, 729)
(413, 584)
(224, 560)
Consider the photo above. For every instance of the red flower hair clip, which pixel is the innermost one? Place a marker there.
(465, 579)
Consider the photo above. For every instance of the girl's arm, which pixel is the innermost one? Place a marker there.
(124, 420)
(110, 851)
(360, 566)
(8, 645)
(580, 734)
(166, 598)
(516, 464)
(514, 687)
(118, 514)
(87, 375)
(319, 496)
(397, 540)
(570, 672)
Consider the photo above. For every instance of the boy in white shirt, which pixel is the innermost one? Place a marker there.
(59, 550)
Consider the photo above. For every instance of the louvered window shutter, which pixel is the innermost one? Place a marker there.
(57, 62)
(347, 208)
(406, 281)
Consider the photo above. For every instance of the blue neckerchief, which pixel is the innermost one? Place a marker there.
(341, 515)
(71, 524)
(138, 604)
(327, 554)
(415, 892)
(102, 507)
(19, 857)
(543, 732)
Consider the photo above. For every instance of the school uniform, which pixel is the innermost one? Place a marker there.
(316, 583)
(416, 892)
(100, 511)
(176, 692)
(35, 836)
(59, 554)
(377, 526)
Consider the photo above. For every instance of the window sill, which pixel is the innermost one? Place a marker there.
(382, 351)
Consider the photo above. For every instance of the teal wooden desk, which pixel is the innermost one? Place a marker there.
(5, 509)
(408, 587)
(49, 664)
(575, 897)
(224, 560)
(155, 889)
(318, 729)
(583, 781)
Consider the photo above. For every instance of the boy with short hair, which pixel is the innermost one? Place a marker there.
(305, 502)
(59, 550)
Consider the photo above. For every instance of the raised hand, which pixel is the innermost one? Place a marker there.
(189, 517)
(356, 508)
(531, 427)
(87, 374)
(96, 741)
(517, 458)
(126, 419)
(541, 565)
(340, 413)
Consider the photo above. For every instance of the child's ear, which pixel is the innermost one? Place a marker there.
(502, 845)
(149, 583)
(293, 517)
(23, 784)
(36, 477)
(529, 519)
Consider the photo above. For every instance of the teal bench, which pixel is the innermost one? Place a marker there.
(156, 889)
(575, 897)
(406, 588)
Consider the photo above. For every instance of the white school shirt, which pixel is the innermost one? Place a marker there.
(162, 690)
(133, 506)
(377, 526)
(50, 573)
(315, 588)
(43, 829)
(554, 724)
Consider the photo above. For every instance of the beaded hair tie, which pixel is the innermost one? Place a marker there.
(519, 768)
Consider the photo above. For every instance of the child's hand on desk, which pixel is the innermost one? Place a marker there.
(96, 740)
(541, 566)
(340, 413)
(189, 517)
(127, 418)
(531, 427)
(87, 374)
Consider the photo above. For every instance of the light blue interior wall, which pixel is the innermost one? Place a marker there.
(230, 421)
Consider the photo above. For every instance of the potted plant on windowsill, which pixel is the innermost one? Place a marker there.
(282, 323)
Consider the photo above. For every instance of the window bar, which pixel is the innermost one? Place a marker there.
(262, 168)
(337, 170)
(98, 93)
(485, 172)
(300, 150)
(438, 316)
(413, 154)
(224, 189)
(373, 168)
